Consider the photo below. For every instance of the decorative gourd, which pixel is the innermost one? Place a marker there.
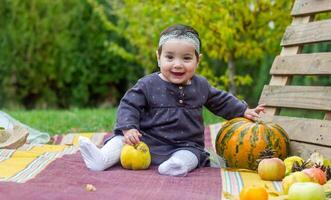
(240, 142)
(253, 192)
(135, 157)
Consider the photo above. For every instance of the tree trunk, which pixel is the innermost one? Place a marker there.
(231, 74)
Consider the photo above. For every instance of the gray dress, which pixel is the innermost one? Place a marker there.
(169, 116)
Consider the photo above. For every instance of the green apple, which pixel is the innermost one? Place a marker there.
(306, 191)
(295, 177)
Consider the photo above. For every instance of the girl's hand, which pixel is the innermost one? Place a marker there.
(253, 114)
(131, 136)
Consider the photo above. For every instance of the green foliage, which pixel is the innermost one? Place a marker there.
(244, 32)
(61, 54)
(76, 53)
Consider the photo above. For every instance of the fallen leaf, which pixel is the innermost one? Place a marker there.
(90, 188)
(230, 196)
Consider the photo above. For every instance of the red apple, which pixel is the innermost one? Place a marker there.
(271, 169)
(316, 174)
(306, 191)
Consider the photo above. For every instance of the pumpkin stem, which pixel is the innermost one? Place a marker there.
(258, 120)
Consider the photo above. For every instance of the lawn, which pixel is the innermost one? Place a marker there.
(78, 120)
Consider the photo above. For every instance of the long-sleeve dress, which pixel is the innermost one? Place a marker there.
(169, 116)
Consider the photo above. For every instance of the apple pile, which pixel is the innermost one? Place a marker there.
(300, 179)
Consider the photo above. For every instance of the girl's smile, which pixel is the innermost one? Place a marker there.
(179, 74)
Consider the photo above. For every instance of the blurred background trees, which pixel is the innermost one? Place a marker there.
(58, 54)
(87, 53)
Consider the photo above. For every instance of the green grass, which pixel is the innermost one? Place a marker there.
(65, 121)
(78, 120)
(210, 118)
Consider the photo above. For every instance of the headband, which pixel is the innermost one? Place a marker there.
(188, 37)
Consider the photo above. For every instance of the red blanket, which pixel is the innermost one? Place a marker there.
(66, 178)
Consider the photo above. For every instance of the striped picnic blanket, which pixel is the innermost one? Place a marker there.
(29, 161)
(72, 138)
(24, 163)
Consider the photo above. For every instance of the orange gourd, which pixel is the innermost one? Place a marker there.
(240, 142)
(253, 193)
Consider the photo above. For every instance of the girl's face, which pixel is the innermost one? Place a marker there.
(177, 61)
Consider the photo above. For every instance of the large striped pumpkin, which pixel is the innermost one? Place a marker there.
(240, 142)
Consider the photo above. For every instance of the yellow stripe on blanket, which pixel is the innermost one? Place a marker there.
(24, 163)
(72, 138)
(75, 139)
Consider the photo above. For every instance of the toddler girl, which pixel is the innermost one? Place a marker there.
(164, 110)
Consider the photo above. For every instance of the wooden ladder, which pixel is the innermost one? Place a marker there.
(307, 135)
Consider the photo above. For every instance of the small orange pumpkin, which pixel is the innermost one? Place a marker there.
(240, 142)
(253, 193)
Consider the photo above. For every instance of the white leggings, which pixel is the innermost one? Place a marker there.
(179, 164)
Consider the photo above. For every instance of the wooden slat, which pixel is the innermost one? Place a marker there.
(312, 131)
(291, 50)
(281, 80)
(306, 97)
(302, 64)
(313, 32)
(305, 7)
(308, 135)
(305, 150)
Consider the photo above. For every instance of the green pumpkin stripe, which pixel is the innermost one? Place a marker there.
(282, 135)
(253, 141)
(268, 135)
(282, 132)
(237, 128)
(245, 130)
(243, 133)
(225, 127)
(226, 136)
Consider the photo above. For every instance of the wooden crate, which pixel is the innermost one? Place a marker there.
(307, 135)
